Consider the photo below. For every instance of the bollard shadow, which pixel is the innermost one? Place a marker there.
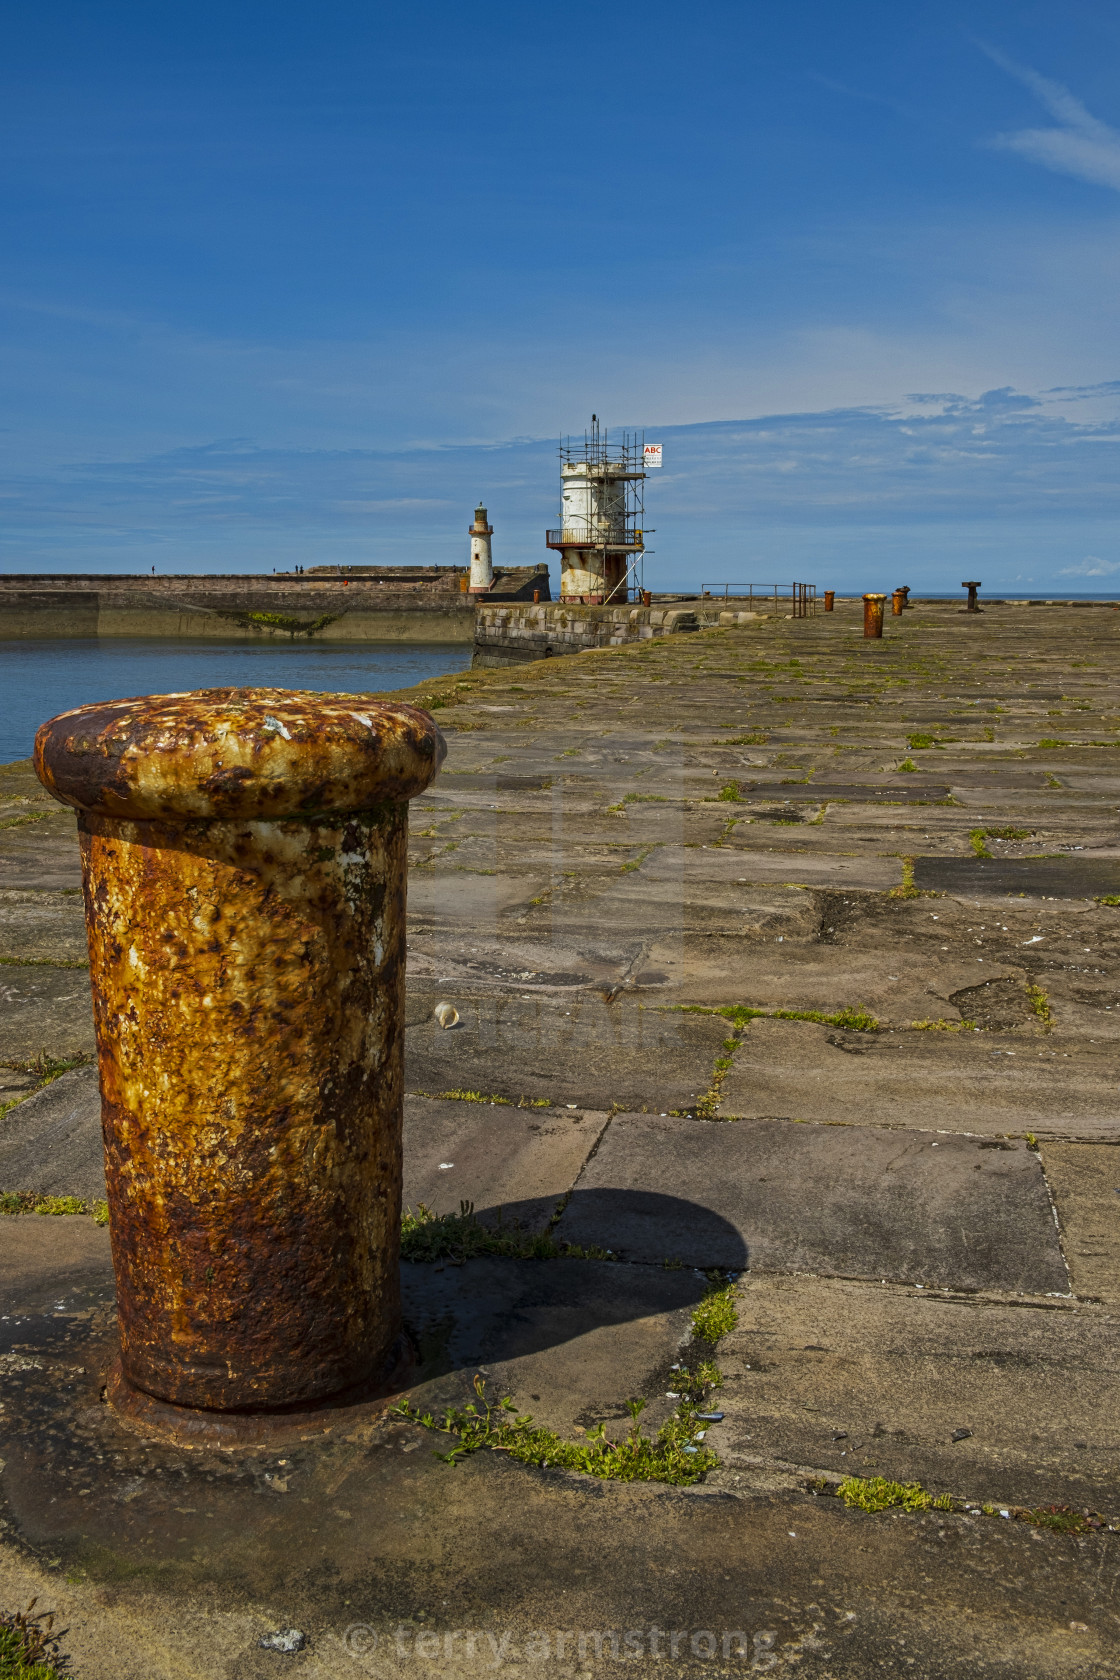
(571, 1332)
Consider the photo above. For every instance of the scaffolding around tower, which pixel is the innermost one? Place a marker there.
(601, 539)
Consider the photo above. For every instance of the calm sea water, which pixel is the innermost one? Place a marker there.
(40, 678)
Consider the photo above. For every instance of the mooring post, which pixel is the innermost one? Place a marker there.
(829, 598)
(873, 615)
(244, 862)
(973, 605)
(898, 603)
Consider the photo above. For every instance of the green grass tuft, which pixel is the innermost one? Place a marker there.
(28, 1650)
(717, 1314)
(1040, 1004)
(60, 1204)
(877, 1493)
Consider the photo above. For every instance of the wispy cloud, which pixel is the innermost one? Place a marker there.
(948, 485)
(1082, 145)
(1091, 567)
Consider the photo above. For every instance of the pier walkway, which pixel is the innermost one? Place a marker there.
(778, 955)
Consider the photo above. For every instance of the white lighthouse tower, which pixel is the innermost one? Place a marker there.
(482, 559)
(600, 536)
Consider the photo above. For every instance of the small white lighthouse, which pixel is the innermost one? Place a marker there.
(482, 560)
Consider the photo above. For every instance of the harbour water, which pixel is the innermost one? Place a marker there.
(40, 678)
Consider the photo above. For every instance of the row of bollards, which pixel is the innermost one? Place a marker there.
(873, 607)
(244, 861)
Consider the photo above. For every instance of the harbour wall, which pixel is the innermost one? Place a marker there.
(517, 633)
(338, 608)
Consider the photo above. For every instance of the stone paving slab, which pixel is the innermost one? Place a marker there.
(41, 856)
(51, 1142)
(48, 926)
(1084, 1180)
(876, 1382)
(982, 1082)
(787, 972)
(54, 1267)
(785, 866)
(569, 1341)
(43, 1008)
(966, 1213)
(572, 1050)
(495, 1157)
(1059, 877)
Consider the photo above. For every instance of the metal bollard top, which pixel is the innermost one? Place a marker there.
(236, 753)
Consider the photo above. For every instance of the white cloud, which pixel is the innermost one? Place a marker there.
(1082, 146)
(1091, 566)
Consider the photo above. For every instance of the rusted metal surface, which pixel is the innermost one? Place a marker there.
(898, 603)
(829, 600)
(873, 615)
(244, 867)
(973, 604)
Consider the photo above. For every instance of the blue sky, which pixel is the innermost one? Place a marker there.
(289, 283)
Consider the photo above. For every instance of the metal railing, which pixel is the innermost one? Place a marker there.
(618, 537)
(801, 596)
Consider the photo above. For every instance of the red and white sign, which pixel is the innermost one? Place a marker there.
(652, 455)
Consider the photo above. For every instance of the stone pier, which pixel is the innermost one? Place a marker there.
(786, 966)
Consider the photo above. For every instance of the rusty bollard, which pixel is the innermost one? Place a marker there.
(898, 603)
(973, 605)
(873, 615)
(829, 599)
(244, 861)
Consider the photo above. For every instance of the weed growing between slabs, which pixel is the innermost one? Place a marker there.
(45, 1068)
(878, 1493)
(427, 1236)
(858, 1019)
(28, 1650)
(676, 1454)
(30, 1201)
